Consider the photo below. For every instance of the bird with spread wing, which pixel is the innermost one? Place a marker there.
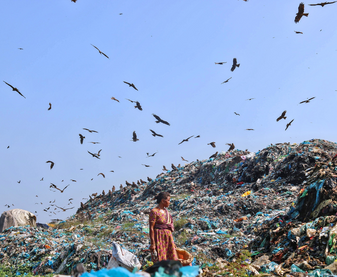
(307, 101)
(130, 85)
(159, 120)
(15, 89)
(282, 116)
(289, 124)
(81, 138)
(134, 136)
(51, 164)
(100, 51)
(300, 13)
(55, 187)
(185, 140)
(323, 4)
(155, 134)
(235, 64)
(90, 131)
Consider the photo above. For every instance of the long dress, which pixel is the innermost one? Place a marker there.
(163, 237)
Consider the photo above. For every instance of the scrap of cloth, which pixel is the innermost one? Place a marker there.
(163, 235)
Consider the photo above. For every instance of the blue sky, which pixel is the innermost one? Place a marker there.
(168, 50)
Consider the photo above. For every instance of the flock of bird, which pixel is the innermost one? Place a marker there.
(158, 119)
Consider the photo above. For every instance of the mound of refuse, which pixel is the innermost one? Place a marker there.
(279, 203)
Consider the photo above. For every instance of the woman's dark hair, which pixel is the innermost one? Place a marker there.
(162, 195)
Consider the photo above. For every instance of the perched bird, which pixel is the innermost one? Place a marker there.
(51, 164)
(185, 140)
(127, 183)
(282, 116)
(212, 144)
(134, 185)
(101, 174)
(155, 134)
(236, 114)
(49, 107)
(152, 155)
(81, 138)
(235, 64)
(103, 192)
(113, 189)
(164, 168)
(300, 13)
(82, 205)
(178, 165)
(231, 147)
(55, 187)
(113, 98)
(15, 89)
(183, 160)
(134, 136)
(100, 51)
(173, 167)
(149, 179)
(160, 120)
(130, 85)
(226, 80)
(214, 155)
(289, 124)
(91, 131)
(94, 155)
(146, 165)
(121, 187)
(323, 4)
(297, 32)
(94, 194)
(220, 63)
(307, 101)
(143, 182)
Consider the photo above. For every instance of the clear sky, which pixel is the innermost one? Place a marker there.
(168, 49)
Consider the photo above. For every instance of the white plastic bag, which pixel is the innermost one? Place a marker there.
(123, 258)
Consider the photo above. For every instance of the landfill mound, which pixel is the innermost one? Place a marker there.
(220, 206)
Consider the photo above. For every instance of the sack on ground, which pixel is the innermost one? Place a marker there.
(123, 258)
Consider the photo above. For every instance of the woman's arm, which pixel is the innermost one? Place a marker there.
(152, 222)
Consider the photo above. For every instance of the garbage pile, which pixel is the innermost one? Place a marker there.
(304, 239)
(219, 205)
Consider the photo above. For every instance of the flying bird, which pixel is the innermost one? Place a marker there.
(300, 13)
(198, 136)
(51, 164)
(307, 101)
(152, 155)
(7, 146)
(323, 4)
(20, 48)
(55, 187)
(236, 113)
(138, 106)
(101, 174)
(134, 136)
(130, 85)
(73, 1)
(297, 32)
(160, 120)
(100, 51)
(73, 180)
(113, 98)
(250, 129)
(94, 142)
(81, 138)
(250, 99)
(231, 147)
(91, 131)
(282, 116)
(94, 155)
(214, 155)
(289, 124)
(212, 144)
(221, 63)
(185, 140)
(235, 64)
(155, 134)
(226, 80)
(19, 181)
(63, 209)
(183, 159)
(146, 165)
(15, 89)
(49, 107)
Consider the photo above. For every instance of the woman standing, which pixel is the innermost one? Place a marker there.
(161, 228)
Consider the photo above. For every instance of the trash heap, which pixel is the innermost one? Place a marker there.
(220, 206)
(304, 239)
